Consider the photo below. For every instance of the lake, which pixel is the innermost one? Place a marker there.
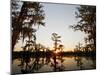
(52, 64)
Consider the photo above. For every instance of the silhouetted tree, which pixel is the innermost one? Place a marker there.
(78, 48)
(55, 37)
(87, 23)
(25, 15)
(61, 47)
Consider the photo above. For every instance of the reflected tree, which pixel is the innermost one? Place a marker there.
(31, 65)
(79, 62)
(55, 64)
(55, 37)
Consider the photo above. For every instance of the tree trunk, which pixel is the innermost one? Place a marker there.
(14, 38)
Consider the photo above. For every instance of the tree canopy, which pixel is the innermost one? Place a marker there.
(25, 15)
(87, 23)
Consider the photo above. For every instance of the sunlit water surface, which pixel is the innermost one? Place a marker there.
(33, 65)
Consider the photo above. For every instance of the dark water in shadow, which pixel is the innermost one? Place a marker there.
(51, 64)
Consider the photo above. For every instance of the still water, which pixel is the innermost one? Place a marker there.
(51, 64)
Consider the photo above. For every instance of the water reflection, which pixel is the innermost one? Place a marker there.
(57, 63)
(50, 64)
(79, 62)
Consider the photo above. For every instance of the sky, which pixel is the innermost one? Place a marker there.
(58, 18)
